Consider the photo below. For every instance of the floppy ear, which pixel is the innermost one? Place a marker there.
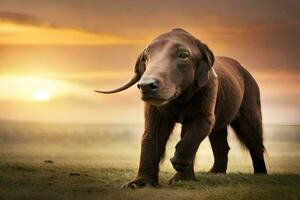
(205, 64)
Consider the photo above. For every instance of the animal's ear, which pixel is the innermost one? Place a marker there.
(140, 65)
(205, 64)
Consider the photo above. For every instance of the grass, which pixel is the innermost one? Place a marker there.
(92, 164)
(53, 181)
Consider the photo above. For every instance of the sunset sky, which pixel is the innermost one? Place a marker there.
(53, 54)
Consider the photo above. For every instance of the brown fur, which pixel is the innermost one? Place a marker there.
(203, 104)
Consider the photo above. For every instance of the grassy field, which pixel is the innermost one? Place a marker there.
(94, 161)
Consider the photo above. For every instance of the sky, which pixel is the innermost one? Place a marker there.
(53, 54)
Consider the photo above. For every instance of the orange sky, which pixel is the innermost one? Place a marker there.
(71, 48)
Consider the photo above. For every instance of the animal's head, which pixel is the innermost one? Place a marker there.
(172, 63)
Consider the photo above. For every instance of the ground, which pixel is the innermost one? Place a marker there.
(39, 161)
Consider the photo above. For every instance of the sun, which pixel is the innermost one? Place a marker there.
(41, 94)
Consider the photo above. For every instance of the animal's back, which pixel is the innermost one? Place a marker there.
(236, 86)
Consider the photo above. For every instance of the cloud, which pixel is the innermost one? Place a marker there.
(23, 34)
(19, 17)
(26, 29)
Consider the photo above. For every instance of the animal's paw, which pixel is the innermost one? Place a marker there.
(180, 176)
(140, 182)
(179, 166)
(216, 170)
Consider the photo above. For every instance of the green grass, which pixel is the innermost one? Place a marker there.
(53, 181)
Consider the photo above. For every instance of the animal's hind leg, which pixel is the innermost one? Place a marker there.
(248, 128)
(220, 147)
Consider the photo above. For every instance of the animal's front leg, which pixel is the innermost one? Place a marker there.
(193, 132)
(158, 127)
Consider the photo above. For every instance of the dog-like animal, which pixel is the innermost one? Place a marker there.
(181, 81)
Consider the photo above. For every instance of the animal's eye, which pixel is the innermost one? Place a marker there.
(183, 55)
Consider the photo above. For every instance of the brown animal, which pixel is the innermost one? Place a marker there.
(177, 81)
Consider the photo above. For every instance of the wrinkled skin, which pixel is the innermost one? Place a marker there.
(178, 85)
